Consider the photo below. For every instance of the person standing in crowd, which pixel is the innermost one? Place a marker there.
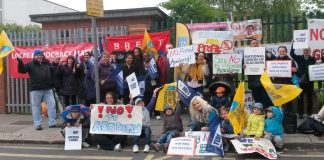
(56, 64)
(320, 83)
(69, 74)
(202, 114)
(196, 73)
(138, 61)
(128, 68)
(41, 75)
(88, 81)
(110, 142)
(107, 83)
(165, 71)
(303, 61)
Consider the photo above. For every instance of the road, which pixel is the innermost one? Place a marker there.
(55, 151)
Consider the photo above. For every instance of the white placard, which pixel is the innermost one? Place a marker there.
(73, 138)
(254, 60)
(227, 63)
(201, 143)
(182, 146)
(279, 68)
(181, 55)
(134, 89)
(301, 39)
(316, 37)
(316, 72)
(250, 145)
(248, 101)
(213, 41)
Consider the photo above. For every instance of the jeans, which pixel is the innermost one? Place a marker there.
(146, 132)
(36, 98)
(108, 142)
(277, 140)
(167, 136)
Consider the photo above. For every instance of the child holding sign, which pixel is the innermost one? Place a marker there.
(273, 127)
(255, 123)
(226, 127)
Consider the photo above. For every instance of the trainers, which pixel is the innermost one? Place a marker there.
(117, 147)
(156, 147)
(38, 128)
(158, 117)
(135, 149)
(279, 150)
(146, 149)
(98, 146)
(85, 145)
(226, 148)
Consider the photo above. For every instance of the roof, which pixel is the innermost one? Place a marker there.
(118, 13)
(61, 5)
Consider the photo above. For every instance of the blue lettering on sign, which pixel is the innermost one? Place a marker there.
(104, 126)
(182, 41)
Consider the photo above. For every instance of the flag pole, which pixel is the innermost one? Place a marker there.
(95, 53)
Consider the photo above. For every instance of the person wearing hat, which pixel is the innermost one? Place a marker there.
(172, 126)
(220, 99)
(255, 122)
(273, 127)
(41, 76)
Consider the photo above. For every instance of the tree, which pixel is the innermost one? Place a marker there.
(13, 27)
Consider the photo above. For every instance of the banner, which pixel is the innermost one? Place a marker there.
(278, 92)
(248, 102)
(116, 119)
(247, 29)
(122, 43)
(254, 60)
(185, 92)
(182, 35)
(182, 146)
(117, 74)
(207, 26)
(301, 39)
(166, 97)
(279, 68)
(181, 55)
(201, 143)
(250, 145)
(227, 63)
(316, 37)
(51, 51)
(73, 138)
(152, 69)
(141, 84)
(213, 41)
(316, 72)
(215, 141)
(132, 82)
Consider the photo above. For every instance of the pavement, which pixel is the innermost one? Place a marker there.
(19, 129)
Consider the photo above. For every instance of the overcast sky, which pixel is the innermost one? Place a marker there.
(80, 5)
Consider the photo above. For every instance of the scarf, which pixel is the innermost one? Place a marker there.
(196, 72)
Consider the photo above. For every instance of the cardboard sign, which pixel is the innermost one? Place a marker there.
(250, 145)
(279, 68)
(316, 72)
(182, 146)
(301, 39)
(201, 143)
(316, 37)
(132, 82)
(247, 29)
(254, 60)
(248, 102)
(116, 119)
(73, 138)
(181, 55)
(213, 41)
(227, 63)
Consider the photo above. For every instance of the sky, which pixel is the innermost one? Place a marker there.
(80, 5)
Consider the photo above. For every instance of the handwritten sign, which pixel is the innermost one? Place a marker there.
(116, 119)
(254, 60)
(250, 145)
(181, 55)
(73, 138)
(134, 89)
(316, 72)
(316, 39)
(201, 143)
(279, 68)
(227, 63)
(301, 39)
(213, 41)
(182, 146)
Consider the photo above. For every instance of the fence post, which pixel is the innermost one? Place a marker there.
(274, 24)
(282, 28)
(289, 37)
(268, 30)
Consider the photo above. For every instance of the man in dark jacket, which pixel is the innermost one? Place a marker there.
(303, 61)
(40, 74)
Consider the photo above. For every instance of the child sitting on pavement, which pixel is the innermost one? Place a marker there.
(172, 126)
(76, 118)
(226, 127)
(255, 122)
(221, 99)
(273, 127)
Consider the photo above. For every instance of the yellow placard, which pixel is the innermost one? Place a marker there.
(95, 8)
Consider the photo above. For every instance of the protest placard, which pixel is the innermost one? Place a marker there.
(201, 143)
(227, 63)
(73, 138)
(254, 60)
(182, 146)
(316, 72)
(181, 55)
(116, 119)
(132, 82)
(213, 41)
(248, 101)
(279, 68)
(247, 29)
(250, 145)
(301, 39)
(316, 39)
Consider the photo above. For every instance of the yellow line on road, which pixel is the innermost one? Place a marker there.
(149, 157)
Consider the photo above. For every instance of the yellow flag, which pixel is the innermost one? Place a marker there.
(279, 93)
(6, 48)
(147, 45)
(238, 114)
(166, 96)
(1, 65)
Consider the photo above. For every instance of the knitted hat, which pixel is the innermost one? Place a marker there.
(75, 108)
(220, 89)
(258, 105)
(138, 100)
(37, 52)
(168, 107)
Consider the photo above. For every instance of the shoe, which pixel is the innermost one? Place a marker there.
(98, 146)
(279, 150)
(301, 116)
(156, 147)
(158, 117)
(226, 148)
(117, 147)
(38, 128)
(146, 149)
(85, 145)
(54, 126)
(135, 149)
